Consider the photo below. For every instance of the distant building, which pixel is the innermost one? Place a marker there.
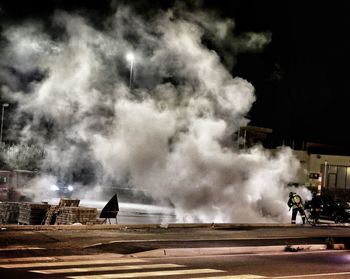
(322, 165)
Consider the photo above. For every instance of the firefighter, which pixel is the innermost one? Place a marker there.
(296, 203)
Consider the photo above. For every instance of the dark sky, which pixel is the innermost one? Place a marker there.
(300, 77)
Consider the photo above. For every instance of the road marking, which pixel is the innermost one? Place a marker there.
(313, 275)
(105, 268)
(14, 248)
(61, 258)
(74, 263)
(148, 274)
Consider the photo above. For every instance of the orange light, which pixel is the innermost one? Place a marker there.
(319, 184)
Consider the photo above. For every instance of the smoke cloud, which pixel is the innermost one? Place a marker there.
(170, 134)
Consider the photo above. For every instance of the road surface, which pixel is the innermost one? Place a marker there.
(326, 264)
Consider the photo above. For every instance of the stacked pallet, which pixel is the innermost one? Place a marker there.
(51, 215)
(9, 212)
(32, 213)
(71, 215)
(68, 202)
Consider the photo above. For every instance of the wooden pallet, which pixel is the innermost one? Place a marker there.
(71, 215)
(32, 213)
(9, 212)
(51, 215)
(68, 202)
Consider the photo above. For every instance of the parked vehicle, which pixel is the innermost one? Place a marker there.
(326, 208)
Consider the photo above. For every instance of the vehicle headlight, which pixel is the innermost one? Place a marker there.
(70, 188)
(54, 187)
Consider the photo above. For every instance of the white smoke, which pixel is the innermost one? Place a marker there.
(170, 135)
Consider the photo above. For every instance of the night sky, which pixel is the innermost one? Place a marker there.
(300, 77)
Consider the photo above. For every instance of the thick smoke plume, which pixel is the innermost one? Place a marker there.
(170, 134)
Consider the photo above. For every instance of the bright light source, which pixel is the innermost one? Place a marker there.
(70, 188)
(54, 187)
(130, 57)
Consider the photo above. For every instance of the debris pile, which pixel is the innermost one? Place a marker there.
(67, 212)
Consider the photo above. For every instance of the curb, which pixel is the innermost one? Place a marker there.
(183, 252)
(125, 227)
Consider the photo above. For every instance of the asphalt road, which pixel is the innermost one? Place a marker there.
(326, 264)
(106, 250)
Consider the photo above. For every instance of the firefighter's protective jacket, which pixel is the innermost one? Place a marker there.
(295, 201)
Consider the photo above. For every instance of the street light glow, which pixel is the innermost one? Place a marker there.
(130, 57)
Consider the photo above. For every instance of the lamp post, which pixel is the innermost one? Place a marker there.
(2, 120)
(130, 57)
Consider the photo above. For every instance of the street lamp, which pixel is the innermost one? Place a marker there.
(2, 120)
(130, 57)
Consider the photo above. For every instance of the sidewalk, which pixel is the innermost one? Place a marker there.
(173, 240)
(182, 252)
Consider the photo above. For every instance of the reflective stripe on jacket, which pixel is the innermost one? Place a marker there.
(295, 201)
